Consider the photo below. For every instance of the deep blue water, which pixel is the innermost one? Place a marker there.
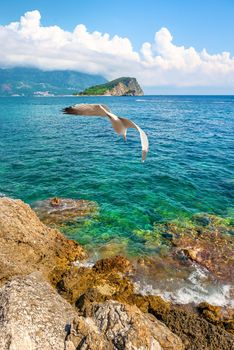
(189, 169)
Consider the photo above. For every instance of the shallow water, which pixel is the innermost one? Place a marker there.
(189, 168)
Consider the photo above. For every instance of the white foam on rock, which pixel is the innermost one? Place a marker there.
(85, 263)
(195, 289)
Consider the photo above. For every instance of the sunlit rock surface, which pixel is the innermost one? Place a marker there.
(28, 245)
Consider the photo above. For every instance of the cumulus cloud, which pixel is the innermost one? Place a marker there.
(28, 43)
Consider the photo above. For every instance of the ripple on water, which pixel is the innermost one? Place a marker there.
(46, 154)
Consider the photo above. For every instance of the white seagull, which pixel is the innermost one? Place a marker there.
(119, 124)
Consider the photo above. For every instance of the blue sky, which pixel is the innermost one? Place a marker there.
(198, 24)
(207, 23)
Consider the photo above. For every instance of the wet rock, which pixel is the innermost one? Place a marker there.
(54, 202)
(210, 312)
(195, 332)
(28, 245)
(56, 211)
(206, 239)
(118, 263)
(221, 316)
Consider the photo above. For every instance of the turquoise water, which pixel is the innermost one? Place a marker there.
(189, 168)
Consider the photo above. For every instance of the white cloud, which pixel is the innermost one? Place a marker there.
(28, 43)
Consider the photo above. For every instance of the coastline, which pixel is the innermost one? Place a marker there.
(107, 285)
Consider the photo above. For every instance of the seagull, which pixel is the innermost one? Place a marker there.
(119, 124)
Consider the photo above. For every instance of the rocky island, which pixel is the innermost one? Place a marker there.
(124, 86)
(50, 299)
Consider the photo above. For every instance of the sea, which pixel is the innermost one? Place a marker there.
(189, 168)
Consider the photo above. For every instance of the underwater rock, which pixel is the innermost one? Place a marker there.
(28, 245)
(206, 240)
(111, 249)
(56, 211)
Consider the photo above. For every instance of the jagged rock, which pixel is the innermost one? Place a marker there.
(32, 315)
(221, 316)
(28, 245)
(195, 332)
(56, 211)
(76, 281)
(85, 335)
(126, 327)
(118, 263)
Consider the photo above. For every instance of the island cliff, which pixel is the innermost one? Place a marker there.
(124, 86)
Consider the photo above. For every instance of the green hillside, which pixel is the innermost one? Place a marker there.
(28, 81)
(129, 86)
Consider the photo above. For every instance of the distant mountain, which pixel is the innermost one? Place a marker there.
(32, 81)
(124, 86)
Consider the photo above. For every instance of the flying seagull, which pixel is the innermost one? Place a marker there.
(120, 125)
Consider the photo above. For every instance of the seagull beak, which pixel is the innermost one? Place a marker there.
(68, 110)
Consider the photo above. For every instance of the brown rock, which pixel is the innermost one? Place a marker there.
(207, 241)
(126, 327)
(33, 315)
(117, 263)
(76, 281)
(28, 245)
(84, 334)
(55, 201)
(195, 332)
(221, 316)
(56, 211)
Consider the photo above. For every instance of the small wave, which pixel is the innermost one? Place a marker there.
(2, 194)
(195, 289)
(221, 102)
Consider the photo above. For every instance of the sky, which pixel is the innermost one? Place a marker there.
(170, 46)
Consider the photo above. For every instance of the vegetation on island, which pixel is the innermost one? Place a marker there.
(124, 86)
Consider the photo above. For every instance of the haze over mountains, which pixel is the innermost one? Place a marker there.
(35, 82)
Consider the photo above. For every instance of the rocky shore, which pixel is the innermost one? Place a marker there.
(50, 300)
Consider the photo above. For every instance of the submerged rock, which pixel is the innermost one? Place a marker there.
(205, 239)
(28, 245)
(56, 211)
(210, 245)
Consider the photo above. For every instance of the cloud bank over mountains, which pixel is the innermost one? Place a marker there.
(161, 63)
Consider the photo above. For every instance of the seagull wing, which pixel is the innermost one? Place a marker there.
(120, 125)
(87, 109)
(144, 139)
